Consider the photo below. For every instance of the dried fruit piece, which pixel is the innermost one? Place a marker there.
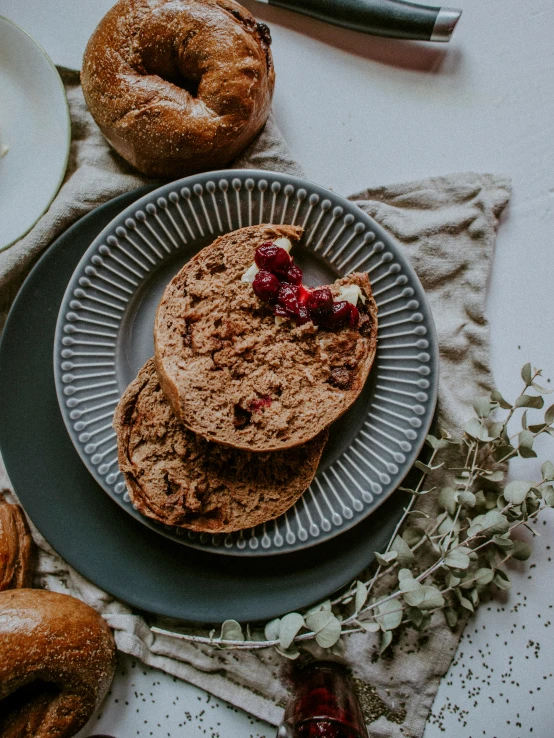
(294, 275)
(273, 258)
(319, 304)
(266, 286)
(288, 299)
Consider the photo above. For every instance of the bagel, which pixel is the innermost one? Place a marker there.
(236, 376)
(178, 478)
(17, 550)
(178, 86)
(57, 660)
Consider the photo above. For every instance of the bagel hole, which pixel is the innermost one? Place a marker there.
(27, 706)
(176, 78)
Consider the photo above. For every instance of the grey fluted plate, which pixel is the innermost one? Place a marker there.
(104, 335)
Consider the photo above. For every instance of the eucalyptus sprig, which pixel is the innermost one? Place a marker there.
(444, 558)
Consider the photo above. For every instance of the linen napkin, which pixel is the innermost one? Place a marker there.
(447, 226)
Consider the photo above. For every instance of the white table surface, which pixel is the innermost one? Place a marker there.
(360, 111)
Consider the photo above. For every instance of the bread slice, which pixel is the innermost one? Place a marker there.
(234, 376)
(178, 478)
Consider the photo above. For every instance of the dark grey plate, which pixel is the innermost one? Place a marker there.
(105, 334)
(95, 535)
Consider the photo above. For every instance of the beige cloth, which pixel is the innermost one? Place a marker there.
(447, 227)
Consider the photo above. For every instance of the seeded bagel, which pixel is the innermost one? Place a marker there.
(234, 376)
(178, 478)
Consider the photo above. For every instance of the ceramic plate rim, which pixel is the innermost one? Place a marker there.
(55, 189)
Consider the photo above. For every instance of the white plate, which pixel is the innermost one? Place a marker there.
(34, 127)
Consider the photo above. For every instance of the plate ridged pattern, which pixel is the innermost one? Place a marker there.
(186, 215)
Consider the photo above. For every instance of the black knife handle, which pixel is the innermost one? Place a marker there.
(393, 18)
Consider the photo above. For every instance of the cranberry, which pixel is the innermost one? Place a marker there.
(294, 275)
(303, 315)
(273, 258)
(319, 304)
(354, 317)
(266, 286)
(338, 317)
(257, 406)
(288, 298)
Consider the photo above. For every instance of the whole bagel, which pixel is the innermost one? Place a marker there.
(178, 86)
(57, 660)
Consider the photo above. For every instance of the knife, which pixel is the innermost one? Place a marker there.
(392, 18)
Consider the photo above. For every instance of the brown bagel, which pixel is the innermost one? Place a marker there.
(17, 550)
(178, 86)
(57, 660)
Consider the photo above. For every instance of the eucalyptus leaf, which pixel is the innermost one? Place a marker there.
(464, 602)
(448, 500)
(493, 476)
(517, 491)
(502, 542)
(416, 615)
(231, 631)
(405, 555)
(409, 585)
(547, 470)
(549, 415)
(316, 621)
(361, 596)
(389, 614)
(482, 406)
(368, 625)
(425, 468)
(386, 639)
(483, 576)
(290, 626)
(405, 574)
(521, 551)
(526, 374)
(467, 499)
(497, 397)
(502, 580)
(291, 653)
(475, 429)
(272, 629)
(330, 634)
(541, 389)
(534, 401)
(526, 439)
(436, 443)
(548, 495)
(325, 605)
(491, 522)
(451, 617)
(495, 429)
(387, 558)
(458, 558)
(413, 534)
(453, 580)
(426, 597)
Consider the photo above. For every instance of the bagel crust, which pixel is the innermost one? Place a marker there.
(57, 660)
(234, 376)
(178, 478)
(178, 86)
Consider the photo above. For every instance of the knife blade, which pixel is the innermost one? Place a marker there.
(391, 18)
